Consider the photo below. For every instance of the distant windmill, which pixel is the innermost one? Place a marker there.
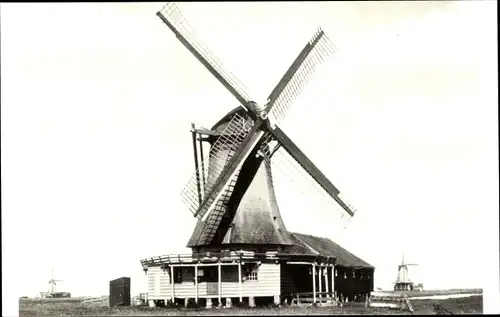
(52, 288)
(52, 283)
(403, 282)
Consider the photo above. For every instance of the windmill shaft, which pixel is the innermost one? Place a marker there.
(291, 72)
(222, 180)
(243, 101)
(309, 167)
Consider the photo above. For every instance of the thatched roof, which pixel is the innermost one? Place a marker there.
(307, 244)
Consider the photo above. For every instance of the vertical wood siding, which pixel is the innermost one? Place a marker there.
(287, 285)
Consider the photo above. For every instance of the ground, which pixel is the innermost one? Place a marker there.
(31, 308)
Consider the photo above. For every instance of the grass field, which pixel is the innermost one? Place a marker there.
(74, 307)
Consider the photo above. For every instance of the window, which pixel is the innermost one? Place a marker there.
(252, 273)
(229, 274)
(177, 275)
(252, 276)
(210, 274)
(182, 274)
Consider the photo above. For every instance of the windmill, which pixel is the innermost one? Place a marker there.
(403, 282)
(231, 192)
(239, 235)
(52, 288)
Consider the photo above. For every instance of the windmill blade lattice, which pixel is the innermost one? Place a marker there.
(282, 100)
(290, 168)
(214, 219)
(220, 153)
(173, 15)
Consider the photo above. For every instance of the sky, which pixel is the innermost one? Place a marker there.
(97, 101)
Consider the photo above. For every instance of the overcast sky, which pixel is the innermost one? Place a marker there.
(97, 101)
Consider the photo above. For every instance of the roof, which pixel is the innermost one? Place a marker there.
(307, 244)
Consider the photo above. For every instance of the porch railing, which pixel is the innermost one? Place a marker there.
(230, 256)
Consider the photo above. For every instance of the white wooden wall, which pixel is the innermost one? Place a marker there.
(268, 284)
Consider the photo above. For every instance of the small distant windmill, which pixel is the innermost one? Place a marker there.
(52, 288)
(403, 282)
(52, 284)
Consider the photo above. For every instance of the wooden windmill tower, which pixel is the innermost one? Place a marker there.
(231, 193)
(403, 282)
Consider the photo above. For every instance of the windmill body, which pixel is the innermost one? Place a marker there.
(240, 245)
(52, 293)
(403, 282)
(247, 214)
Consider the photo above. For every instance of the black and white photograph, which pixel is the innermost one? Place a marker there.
(249, 158)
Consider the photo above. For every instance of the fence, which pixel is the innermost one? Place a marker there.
(393, 300)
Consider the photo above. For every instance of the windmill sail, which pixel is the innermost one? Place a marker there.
(219, 215)
(247, 211)
(298, 75)
(207, 195)
(173, 18)
(221, 151)
(294, 151)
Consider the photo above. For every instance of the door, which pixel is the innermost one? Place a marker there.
(212, 288)
(212, 279)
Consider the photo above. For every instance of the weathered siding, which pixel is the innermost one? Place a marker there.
(267, 284)
(158, 283)
(287, 285)
(350, 282)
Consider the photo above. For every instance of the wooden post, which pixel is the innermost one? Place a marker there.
(333, 284)
(326, 284)
(197, 170)
(320, 269)
(240, 286)
(202, 166)
(219, 267)
(314, 282)
(172, 280)
(209, 303)
(196, 283)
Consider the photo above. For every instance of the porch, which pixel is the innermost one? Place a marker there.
(231, 276)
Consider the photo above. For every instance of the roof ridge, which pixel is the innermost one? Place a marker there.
(303, 242)
(323, 245)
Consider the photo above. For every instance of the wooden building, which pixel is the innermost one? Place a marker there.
(119, 292)
(223, 277)
(241, 249)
